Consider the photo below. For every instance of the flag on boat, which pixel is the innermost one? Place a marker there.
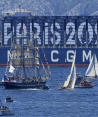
(11, 70)
(5, 78)
(9, 81)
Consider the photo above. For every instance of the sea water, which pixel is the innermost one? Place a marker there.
(80, 102)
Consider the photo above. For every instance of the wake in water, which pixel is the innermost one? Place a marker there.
(31, 89)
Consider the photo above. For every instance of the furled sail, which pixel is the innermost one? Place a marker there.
(19, 53)
(37, 61)
(18, 47)
(19, 62)
(30, 44)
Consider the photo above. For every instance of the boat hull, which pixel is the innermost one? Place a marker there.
(12, 85)
(9, 100)
(84, 86)
(7, 112)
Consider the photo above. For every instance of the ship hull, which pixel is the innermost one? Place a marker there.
(85, 86)
(13, 85)
(7, 112)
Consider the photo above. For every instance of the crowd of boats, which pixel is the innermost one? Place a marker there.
(23, 71)
(79, 81)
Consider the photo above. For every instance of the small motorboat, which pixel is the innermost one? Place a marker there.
(85, 84)
(4, 110)
(8, 99)
(79, 78)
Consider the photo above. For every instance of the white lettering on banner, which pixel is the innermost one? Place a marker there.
(25, 33)
(68, 26)
(70, 57)
(90, 31)
(96, 32)
(31, 33)
(86, 56)
(36, 25)
(19, 34)
(52, 41)
(80, 32)
(8, 55)
(52, 54)
(6, 36)
(46, 33)
(56, 34)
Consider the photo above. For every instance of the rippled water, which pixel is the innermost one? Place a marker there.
(81, 102)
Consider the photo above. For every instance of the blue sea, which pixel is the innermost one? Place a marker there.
(80, 102)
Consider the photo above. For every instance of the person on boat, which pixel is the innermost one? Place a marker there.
(9, 81)
(8, 99)
(34, 78)
(6, 108)
(40, 78)
(18, 76)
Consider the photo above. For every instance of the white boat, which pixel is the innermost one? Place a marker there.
(92, 70)
(4, 110)
(67, 84)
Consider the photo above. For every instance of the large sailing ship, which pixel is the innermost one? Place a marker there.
(23, 70)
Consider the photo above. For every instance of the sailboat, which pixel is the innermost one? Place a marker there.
(67, 84)
(92, 70)
(23, 70)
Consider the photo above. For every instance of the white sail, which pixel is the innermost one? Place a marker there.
(11, 70)
(91, 69)
(66, 83)
(96, 66)
(74, 79)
